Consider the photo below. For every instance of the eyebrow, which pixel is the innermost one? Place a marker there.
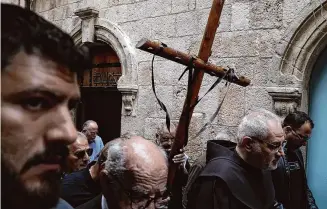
(43, 91)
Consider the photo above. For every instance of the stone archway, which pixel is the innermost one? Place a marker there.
(295, 57)
(92, 29)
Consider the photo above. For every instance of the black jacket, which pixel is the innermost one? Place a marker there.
(94, 203)
(281, 180)
(227, 182)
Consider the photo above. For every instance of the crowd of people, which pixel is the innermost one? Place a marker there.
(46, 163)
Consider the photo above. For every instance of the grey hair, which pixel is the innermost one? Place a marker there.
(255, 124)
(87, 123)
(115, 163)
(116, 159)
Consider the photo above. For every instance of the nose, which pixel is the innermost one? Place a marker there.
(61, 127)
(86, 157)
(281, 152)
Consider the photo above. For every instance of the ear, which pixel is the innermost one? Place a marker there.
(288, 129)
(247, 143)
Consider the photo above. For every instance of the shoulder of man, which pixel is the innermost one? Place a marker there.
(94, 203)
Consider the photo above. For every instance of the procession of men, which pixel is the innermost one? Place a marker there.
(47, 163)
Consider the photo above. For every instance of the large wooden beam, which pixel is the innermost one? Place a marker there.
(156, 48)
(204, 53)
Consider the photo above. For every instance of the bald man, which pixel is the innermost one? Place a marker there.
(79, 154)
(134, 176)
(90, 129)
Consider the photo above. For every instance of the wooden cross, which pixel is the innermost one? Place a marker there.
(200, 67)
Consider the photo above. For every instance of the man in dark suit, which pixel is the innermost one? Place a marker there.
(289, 178)
(39, 64)
(134, 176)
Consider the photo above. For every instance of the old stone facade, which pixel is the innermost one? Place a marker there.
(273, 42)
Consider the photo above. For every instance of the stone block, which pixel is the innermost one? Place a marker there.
(163, 26)
(268, 40)
(59, 13)
(148, 105)
(151, 127)
(182, 5)
(214, 130)
(137, 30)
(179, 95)
(243, 66)
(262, 75)
(232, 110)
(292, 9)
(132, 125)
(61, 2)
(266, 14)
(236, 44)
(208, 105)
(187, 24)
(257, 98)
(203, 4)
(240, 16)
(157, 8)
(70, 9)
(196, 145)
(127, 12)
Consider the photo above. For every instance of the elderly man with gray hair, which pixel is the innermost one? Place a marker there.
(135, 176)
(238, 175)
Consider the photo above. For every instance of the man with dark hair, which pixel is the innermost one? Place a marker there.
(289, 178)
(79, 154)
(38, 88)
(166, 139)
(237, 176)
(90, 129)
(81, 186)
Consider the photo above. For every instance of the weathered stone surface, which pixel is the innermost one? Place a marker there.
(182, 5)
(232, 109)
(266, 14)
(256, 98)
(247, 39)
(292, 9)
(236, 44)
(240, 16)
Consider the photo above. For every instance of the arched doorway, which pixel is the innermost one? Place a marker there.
(100, 99)
(316, 153)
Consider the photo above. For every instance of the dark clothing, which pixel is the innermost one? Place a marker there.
(193, 173)
(228, 182)
(177, 189)
(78, 187)
(291, 184)
(94, 203)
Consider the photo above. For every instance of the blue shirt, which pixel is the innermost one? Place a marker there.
(97, 146)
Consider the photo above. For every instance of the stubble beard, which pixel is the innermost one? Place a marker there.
(42, 193)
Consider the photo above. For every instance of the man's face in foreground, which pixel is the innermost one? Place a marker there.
(36, 127)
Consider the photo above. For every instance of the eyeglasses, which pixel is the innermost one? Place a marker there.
(80, 154)
(275, 146)
(142, 201)
(305, 138)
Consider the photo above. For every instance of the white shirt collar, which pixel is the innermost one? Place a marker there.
(104, 204)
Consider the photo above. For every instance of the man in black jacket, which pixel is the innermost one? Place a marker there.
(166, 139)
(289, 178)
(39, 87)
(237, 176)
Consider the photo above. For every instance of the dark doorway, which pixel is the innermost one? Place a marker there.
(100, 99)
(103, 106)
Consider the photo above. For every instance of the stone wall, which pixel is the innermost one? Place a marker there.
(247, 39)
